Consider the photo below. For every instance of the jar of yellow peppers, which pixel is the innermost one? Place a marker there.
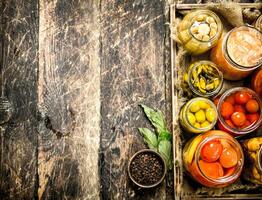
(253, 160)
(203, 78)
(199, 31)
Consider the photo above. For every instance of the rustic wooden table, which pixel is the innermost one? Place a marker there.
(75, 72)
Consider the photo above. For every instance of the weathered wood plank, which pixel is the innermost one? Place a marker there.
(69, 94)
(133, 71)
(214, 1)
(18, 159)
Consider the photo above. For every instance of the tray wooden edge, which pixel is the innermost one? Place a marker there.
(177, 151)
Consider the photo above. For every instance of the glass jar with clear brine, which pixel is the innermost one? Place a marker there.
(198, 115)
(199, 31)
(239, 111)
(203, 78)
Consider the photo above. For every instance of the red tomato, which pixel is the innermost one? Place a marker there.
(226, 110)
(241, 97)
(216, 100)
(228, 157)
(194, 169)
(230, 123)
(238, 118)
(211, 151)
(230, 99)
(252, 106)
(225, 143)
(252, 117)
(229, 171)
(213, 170)
(247, 124)
(239, 108)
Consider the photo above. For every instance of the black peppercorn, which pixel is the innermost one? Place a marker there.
(147, 168)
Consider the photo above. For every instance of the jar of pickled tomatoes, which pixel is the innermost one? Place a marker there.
(199, 31)
(239, 111)
(214, 159)
(198, 115)
(238, 52)
(253, 160)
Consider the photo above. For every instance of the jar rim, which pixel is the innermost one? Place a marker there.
(213, 65)
(223, 179)
(211, 104)
(226, 53)
(258, 22)
(260, 159)
(216, 18)
(236, 131)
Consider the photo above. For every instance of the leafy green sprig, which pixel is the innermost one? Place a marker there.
(161, 139)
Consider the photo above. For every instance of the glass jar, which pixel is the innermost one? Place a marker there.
(198, 115)
(203, 78)
(237, 100)
(199, 31)
(238, 53)
(214, 158)
(258, 23)
(256, 83)
(253, 160)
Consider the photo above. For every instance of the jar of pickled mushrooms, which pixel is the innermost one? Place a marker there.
(253, 160)
(199, 31)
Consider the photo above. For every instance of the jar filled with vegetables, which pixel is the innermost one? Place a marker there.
(238, 53)
(256, 82)
(214, 158)
(203, 78)
(198, 115)
(199, 31)
(253, 160)
(239, 111)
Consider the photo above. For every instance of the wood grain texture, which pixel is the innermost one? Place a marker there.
(18, 159)
(69, 99)
(83, 56)
(133, 71)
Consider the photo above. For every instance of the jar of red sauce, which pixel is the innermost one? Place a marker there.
(214, 159)
(238, 52)
(256, 82)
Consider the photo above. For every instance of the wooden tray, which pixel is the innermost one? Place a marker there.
(181, 189)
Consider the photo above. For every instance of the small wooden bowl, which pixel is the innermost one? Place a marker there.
(147, 151)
